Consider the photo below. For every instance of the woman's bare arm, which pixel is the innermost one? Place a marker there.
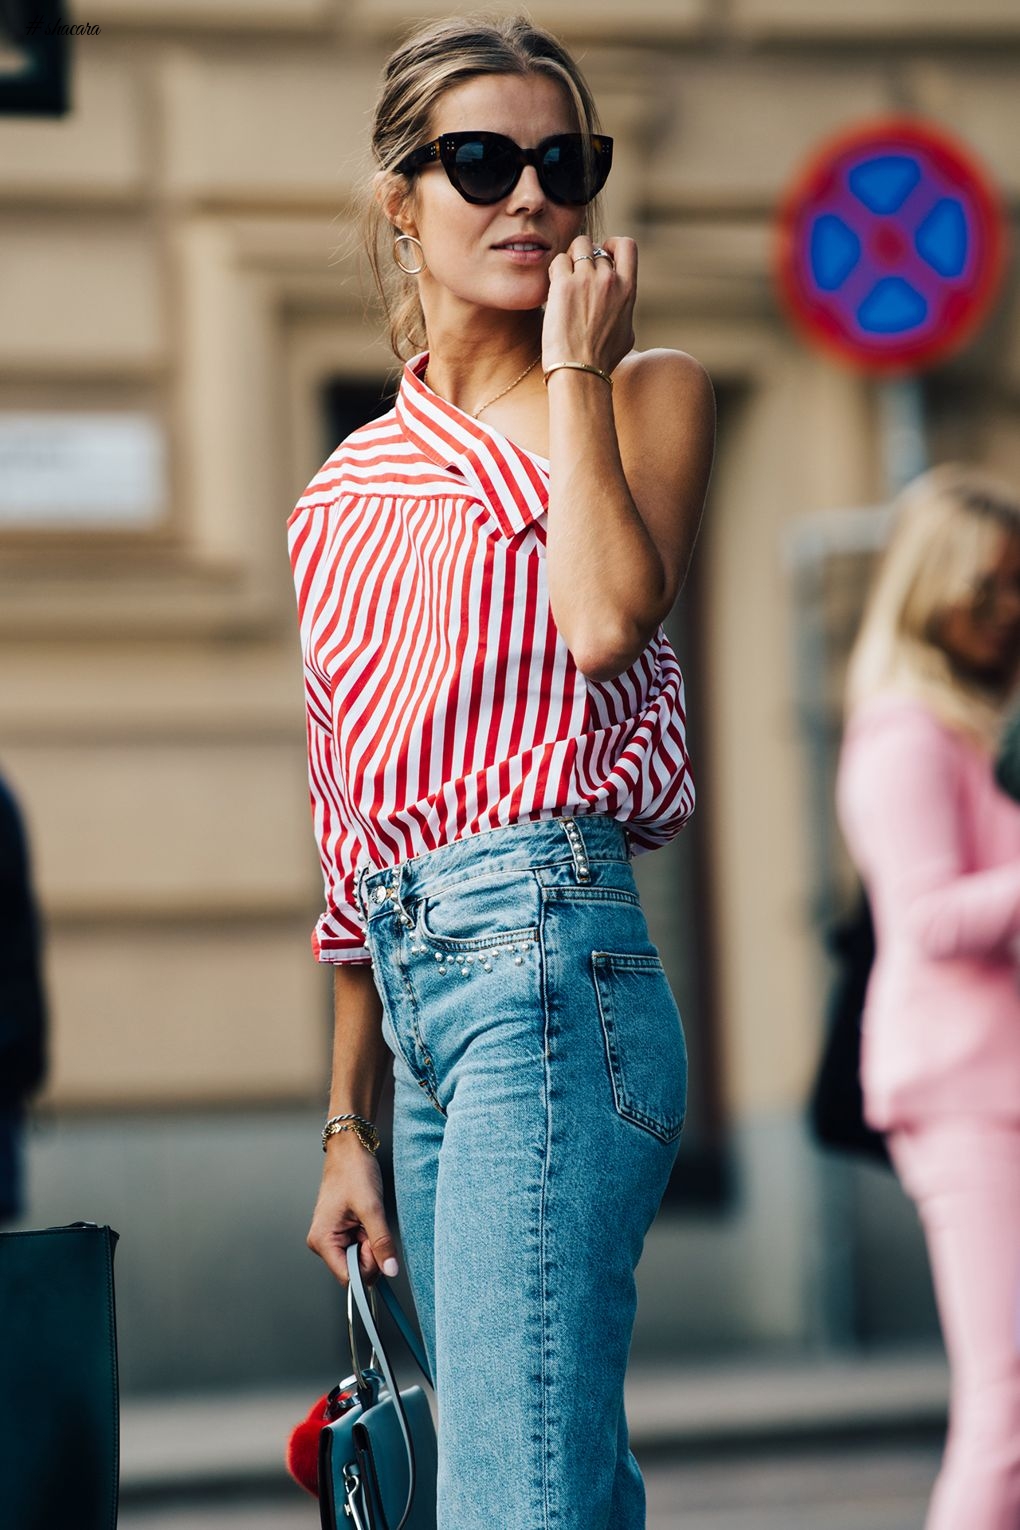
(627, 480)
(349, 1208)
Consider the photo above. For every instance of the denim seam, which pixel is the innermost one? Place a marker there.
(426, 1068)
(428, 888)
(408, 1062)
(455, 943)
(543, 1229)
(638, 959)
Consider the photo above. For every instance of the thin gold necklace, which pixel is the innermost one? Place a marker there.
(502, 393)
(519, 379)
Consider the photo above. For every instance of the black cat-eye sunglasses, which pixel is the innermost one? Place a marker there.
(485, 167)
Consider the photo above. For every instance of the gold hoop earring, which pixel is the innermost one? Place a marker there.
(409, 239)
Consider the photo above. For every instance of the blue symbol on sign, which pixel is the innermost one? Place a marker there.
(884, 183)
(835, 250)
(942, 237)
(892, 306)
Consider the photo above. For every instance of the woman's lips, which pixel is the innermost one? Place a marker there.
(535, 255)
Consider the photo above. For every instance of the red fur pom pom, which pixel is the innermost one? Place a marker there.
(303, 1448)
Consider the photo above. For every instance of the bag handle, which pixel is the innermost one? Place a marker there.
(400, 1319)
(357, 1289)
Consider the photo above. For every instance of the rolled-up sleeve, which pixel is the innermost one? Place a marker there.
(339, 933)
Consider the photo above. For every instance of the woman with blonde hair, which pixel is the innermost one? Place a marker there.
(496, 725)
(937, 844)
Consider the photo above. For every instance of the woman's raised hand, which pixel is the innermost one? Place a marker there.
(589, 314)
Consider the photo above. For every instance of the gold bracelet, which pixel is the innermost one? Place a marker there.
(576, 366)
(365, 1131)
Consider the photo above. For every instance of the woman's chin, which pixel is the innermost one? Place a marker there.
(522, 295)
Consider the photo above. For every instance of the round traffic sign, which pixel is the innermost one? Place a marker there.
(890, 246)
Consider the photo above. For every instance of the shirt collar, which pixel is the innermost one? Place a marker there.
(512, 481)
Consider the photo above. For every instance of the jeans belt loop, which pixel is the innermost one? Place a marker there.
(404, 916)
(575, 840)
(362, 895)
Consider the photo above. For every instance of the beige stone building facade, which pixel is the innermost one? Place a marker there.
(175, 260)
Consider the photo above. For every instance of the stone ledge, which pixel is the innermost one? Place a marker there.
(235, 1440)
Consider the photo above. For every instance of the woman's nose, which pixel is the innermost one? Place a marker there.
(528, 192)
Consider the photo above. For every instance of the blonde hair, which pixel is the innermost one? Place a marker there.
(428, 63)
(948, 526)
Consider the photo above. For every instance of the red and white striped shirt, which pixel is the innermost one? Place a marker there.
(441, 699)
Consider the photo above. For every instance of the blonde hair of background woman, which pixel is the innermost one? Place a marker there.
(947, 527)
(429, 62)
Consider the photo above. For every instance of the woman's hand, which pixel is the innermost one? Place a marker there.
(350, 1210)
(590, 309)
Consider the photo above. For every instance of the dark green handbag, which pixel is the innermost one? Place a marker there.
(59, 1408)
(377, 1457)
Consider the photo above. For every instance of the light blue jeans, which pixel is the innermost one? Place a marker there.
(540, 1079)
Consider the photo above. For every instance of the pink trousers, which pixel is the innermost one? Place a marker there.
(964, 1175)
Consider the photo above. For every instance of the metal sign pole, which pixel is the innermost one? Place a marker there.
(902, 438)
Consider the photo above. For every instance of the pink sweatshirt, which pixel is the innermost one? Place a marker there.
(938, 848)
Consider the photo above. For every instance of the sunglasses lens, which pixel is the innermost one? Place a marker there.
(484, 169)
(572, 171)
(563, 170)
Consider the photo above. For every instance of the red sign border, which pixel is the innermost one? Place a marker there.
(817, 326)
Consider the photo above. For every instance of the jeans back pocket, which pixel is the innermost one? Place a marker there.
(644, 1039)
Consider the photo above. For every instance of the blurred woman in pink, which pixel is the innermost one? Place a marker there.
(937, 844)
